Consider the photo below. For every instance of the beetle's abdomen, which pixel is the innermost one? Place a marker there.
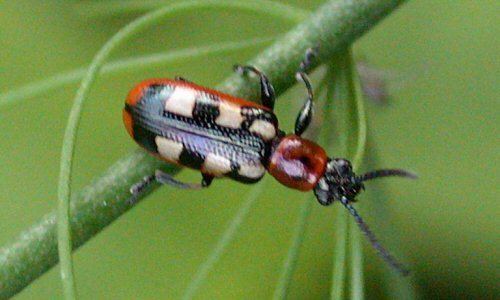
(200, 128)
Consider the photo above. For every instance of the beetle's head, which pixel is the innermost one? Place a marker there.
(340, 182)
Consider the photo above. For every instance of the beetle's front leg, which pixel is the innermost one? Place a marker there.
(305, 115)
(267, 96)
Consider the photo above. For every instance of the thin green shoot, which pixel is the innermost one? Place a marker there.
(357, 100)
(347, 92)
(58, 81)
(356, 262)
(224, 241)
(293, 251)
(262, 7)
(335, 109)
(337, 288)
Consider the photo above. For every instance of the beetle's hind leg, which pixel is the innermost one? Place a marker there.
(267, 96)
(165, 178)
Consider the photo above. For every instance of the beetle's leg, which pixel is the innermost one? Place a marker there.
(206, 181)
(266, 88)
(162, 178)
(180, 78)
(165, 178)
(305, 115)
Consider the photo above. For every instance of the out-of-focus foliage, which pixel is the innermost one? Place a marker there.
(441, 121)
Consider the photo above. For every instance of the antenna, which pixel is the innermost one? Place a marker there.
(386, 173)
(391, 260)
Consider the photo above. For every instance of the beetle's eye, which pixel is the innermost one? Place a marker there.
(343, 166)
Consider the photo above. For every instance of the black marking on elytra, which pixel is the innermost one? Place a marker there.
(257, 113)
(154, 97)
(141, 131)
(251, 114)
(243, 179)
(191, 158)
(206, 108)
(145, 138)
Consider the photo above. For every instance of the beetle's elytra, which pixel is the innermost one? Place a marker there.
(221, 135)
(200, 128)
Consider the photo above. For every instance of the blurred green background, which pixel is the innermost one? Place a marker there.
(441, 121)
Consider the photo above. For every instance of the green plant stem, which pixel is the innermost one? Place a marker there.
(58, 81)
(293, 251)
(338, 110)
(272, 8)
(224, 241)
(64, 249)
(357, 101)
(356, 262)
(333, 26)
(351, 130)
(339, 256)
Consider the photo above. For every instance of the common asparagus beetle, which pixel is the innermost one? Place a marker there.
(222, 135)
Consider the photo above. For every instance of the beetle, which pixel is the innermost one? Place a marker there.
(222, 135)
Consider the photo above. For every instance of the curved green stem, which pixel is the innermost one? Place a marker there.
(336, 108)
(224, 241)
(56, 82)
(356, 261)
(349, 111)
(338, 285)
(271, 8)
(357, 101)
(361, 126)
(333, 26)
(293, 251)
